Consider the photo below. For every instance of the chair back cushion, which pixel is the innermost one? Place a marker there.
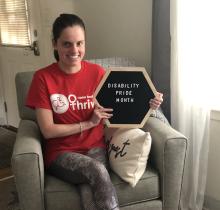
(23, 81)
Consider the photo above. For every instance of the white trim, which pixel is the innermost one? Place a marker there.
(6, 178)
(3, 114)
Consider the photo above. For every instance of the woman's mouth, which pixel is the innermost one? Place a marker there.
(74, 57)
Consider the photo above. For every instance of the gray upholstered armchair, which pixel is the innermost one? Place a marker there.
(158, 189)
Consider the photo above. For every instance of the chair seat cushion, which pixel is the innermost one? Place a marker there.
(58, 191)
(146, 189)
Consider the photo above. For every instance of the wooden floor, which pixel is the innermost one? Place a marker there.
(4, 173)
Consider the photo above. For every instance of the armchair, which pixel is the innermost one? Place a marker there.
(158, 189)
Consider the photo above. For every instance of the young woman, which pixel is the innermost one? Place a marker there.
(62, 95)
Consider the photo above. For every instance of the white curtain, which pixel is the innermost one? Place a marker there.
(195, 86)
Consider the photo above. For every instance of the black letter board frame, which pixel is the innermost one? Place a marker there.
(124, 75)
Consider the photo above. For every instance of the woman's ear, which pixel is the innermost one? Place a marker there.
(54, 44)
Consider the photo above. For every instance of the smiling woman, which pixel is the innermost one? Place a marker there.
(70, 47)
(74, 143)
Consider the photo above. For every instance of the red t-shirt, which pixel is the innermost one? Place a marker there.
(70, 97)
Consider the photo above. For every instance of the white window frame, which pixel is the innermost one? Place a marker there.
(26, 11)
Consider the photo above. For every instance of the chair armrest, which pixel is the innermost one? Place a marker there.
(28, 167)
(168, 155)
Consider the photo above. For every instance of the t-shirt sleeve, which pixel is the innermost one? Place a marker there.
(102, 72)
(38, 96)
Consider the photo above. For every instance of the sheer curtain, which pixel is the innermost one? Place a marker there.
(195, 86)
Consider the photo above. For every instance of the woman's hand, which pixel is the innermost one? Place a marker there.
(100, 113)
(156, 101)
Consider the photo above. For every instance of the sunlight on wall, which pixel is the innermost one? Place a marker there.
(199, 46)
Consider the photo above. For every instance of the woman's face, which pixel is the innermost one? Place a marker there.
(71, 48)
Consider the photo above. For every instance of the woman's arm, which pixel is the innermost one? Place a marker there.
(51, 130)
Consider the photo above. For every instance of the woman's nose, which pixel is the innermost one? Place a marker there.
(74, 48)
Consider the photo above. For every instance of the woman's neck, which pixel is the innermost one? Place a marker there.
(69, 69)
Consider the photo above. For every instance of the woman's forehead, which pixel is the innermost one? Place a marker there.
(73, 31)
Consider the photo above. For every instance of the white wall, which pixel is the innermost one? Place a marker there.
(212, 194)
(118, 28)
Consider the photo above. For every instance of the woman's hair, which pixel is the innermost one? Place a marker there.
(62, 22)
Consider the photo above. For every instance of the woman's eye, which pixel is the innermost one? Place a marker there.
(79, 44)
(66, 44)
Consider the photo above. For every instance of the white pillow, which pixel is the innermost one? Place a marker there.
(128, 151)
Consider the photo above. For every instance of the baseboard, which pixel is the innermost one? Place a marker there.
(211, 203)
(10, 127)
(5, 173)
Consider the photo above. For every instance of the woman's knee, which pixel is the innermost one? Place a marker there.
(98, 171)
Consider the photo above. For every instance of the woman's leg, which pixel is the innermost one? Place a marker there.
(77, 169)
(85, 190)
(86, 193)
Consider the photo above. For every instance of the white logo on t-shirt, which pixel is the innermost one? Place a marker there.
(81, 102)
(59, 103)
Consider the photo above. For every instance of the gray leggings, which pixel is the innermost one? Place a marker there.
(90, 173)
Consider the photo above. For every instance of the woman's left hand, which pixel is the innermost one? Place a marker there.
(156, 101)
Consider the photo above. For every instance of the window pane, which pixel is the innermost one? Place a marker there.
(14, 26)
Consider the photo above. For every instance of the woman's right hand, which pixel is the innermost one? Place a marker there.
(100, 113)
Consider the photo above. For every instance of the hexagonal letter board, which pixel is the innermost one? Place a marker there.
(128, 91)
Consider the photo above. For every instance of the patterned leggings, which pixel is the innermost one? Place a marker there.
(89, 171)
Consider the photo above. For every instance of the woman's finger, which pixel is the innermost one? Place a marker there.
(159, 95)
(102, 114)
(107, 116)
(154, 104)
(105, 110)
(155, 101)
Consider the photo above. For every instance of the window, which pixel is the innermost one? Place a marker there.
(14, 23)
